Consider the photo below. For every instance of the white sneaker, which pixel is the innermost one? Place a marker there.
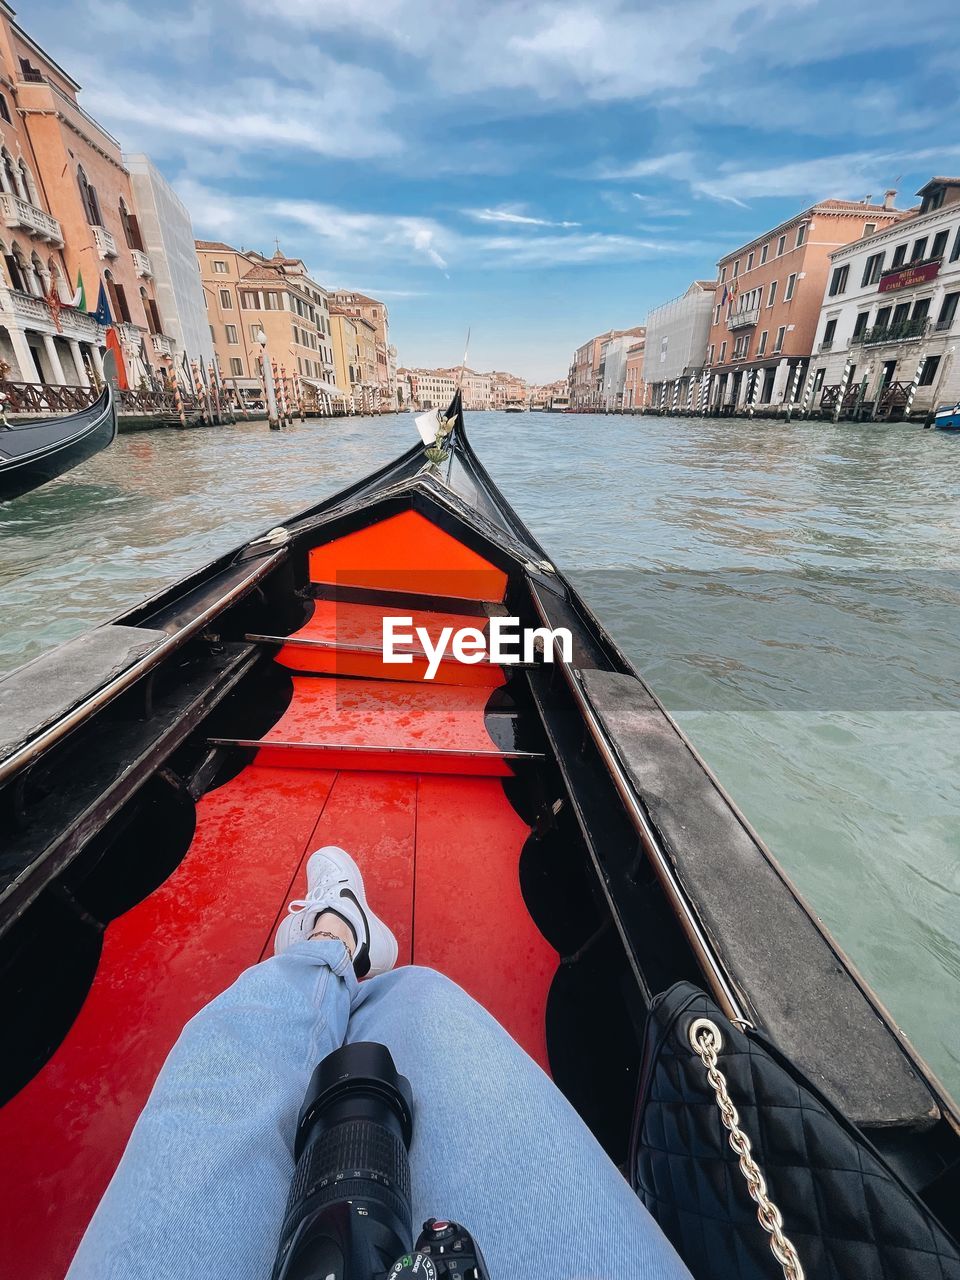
(334, 883)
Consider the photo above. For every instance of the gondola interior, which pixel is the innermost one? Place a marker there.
(195, 752)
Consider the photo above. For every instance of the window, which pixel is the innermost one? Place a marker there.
(232, 335)
(929, 373)
(955, 251)
(861, 324)
(791, 285)
(938, 248)
(781, 245)
(213, 336)
(736, 268)
(899, 255)
(710, 348)
(947, 311)
(818, 380)
(89, 199)
(716, 310)
(869, 228)
(778, 345)
(131, 228)
(772, 293)
(220, 267)
(723, 274)
(249, 301)
(883, 316)
(763, 254)
(4, 110)
(873, 269)
(254, 333)
(919, 249)
(271, 301)
(762, 344)
(225, 300)
(749, 262)
(801, 234)
(828, 334)
(236, 366)
(900, 314)
(921, 309)
(723, 352)
(838, 281)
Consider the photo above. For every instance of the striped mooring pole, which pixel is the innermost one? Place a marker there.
(754, 393)
(841, 393)
(704, 393)
(913, 387)
(691, 386)
(794, 389)
(285, 408)
(676, 395)
(277, 393)
(808, 393)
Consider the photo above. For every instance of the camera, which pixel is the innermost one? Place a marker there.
(348, 1215)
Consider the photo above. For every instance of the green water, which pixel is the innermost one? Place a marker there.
(791, 592)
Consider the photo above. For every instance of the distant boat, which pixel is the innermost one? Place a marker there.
(947, 417)
(31, 453)
(514, 406)
(559, 404)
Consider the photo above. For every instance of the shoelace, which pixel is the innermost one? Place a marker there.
(301, 904)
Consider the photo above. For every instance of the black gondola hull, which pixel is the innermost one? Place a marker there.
(34, 453)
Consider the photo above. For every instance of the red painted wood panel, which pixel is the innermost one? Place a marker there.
(377, 713)
(63, 1134)
(407, 552)
(470, 920)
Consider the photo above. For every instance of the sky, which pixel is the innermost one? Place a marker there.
(533, 172)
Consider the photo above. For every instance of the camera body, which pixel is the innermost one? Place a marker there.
(348, 1214)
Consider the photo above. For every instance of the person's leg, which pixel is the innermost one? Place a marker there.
(498, 1148)
(201, 1188)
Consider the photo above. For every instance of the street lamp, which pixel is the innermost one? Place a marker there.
(272, 415)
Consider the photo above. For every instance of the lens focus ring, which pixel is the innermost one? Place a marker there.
(358, 1150)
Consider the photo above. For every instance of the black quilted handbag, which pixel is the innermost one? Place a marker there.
(844, 1212)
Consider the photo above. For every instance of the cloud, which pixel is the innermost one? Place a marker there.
(508, 215)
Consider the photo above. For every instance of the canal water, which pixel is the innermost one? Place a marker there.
(792, 593)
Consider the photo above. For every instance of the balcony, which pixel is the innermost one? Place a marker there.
(141, 263)
(36, 314)
(879, 334)
(162, 345)
(27, 307)
(826, 345)
(943, 326)
(742, 319)
(20, 214)
(106, 245)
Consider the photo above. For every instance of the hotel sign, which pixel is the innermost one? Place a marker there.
(905, 277)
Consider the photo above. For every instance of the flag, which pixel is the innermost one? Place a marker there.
(102, 314)
(723, 300)
(79, 299)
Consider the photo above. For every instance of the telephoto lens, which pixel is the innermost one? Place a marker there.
(348, 1214)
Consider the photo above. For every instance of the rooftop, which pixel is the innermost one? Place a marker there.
(861, 207)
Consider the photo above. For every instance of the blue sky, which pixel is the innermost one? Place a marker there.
(537, 172)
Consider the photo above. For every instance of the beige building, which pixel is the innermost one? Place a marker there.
(375, 313)
(248, 294)
(506, 388)
(68, 211)
(431, 388)
(346, 357)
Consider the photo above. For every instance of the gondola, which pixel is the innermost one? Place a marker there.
(228, 726)
(32, 453)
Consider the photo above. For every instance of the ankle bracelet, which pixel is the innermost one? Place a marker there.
(334, 937)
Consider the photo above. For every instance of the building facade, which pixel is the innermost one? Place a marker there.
(167, 236)
(677, 339)
(767, 301)
(634, 383)
(346, 355)
(586, 390)
(476, 388)
(248, 295)
(69, 216)
(613, 372)
(506, 388)
(431, 388)
(889, 317)
(383, 386)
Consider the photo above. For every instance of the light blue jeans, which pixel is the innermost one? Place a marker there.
(201, 1189)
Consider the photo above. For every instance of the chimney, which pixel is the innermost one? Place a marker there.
(888, 197)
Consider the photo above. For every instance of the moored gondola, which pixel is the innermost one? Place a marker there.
(240, 719)
(31, 453)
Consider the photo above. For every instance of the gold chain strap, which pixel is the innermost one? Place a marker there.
(706, 1041)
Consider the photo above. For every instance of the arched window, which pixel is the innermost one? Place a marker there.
(59, 282)
(151, 312)
(4, 110)
(26, 179)
(17, 268)
(40, 276)
(118, 299)
(8, 178)
(131, 228)
(91, 203)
